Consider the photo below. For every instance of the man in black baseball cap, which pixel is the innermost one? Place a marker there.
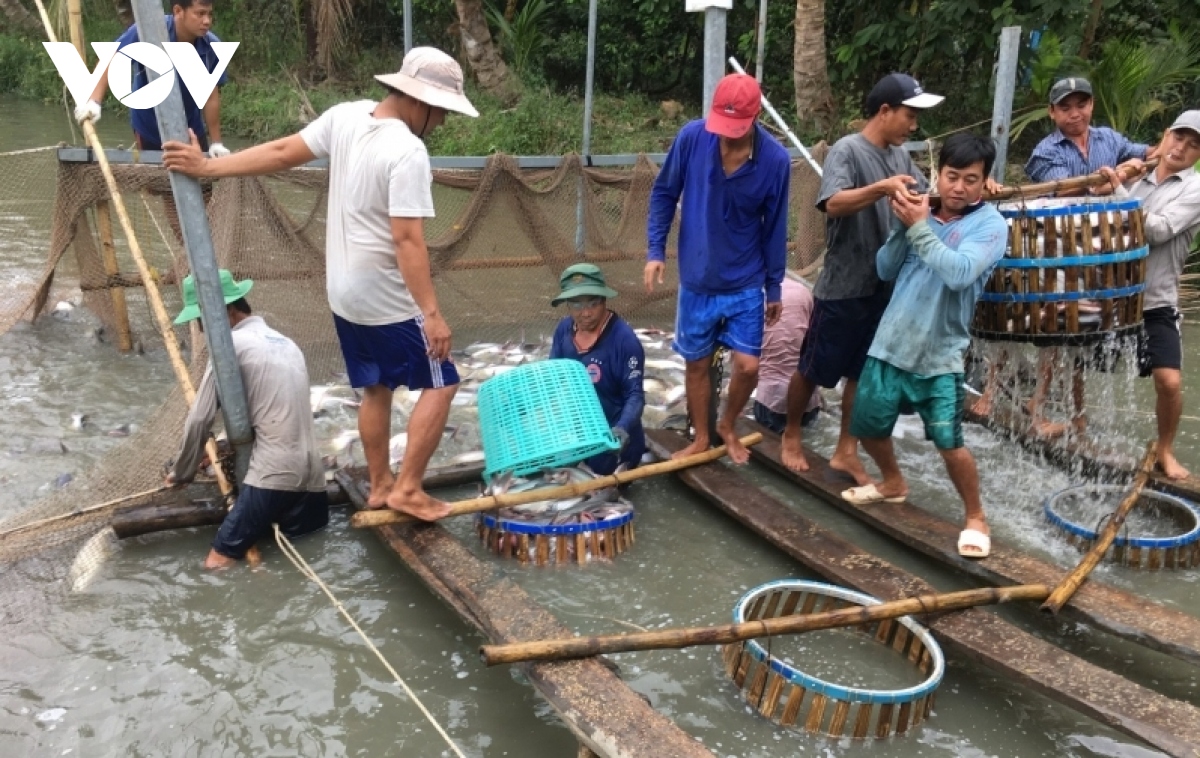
(863, 172)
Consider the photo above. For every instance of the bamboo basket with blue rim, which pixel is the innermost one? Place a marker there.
(780, 691)
(1165, 533)
(1074, 274)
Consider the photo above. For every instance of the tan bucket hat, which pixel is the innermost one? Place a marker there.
(434, 78)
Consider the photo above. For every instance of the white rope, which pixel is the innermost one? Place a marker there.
(27, 151)
(302, 566)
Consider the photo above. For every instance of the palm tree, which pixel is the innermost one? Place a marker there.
(815, 106)
(482, 55)
(18, 16)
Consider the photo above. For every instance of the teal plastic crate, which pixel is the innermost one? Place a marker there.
(539, 416)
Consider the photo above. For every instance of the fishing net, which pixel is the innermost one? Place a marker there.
(500, 239)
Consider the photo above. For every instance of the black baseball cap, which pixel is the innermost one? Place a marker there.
(900, 89)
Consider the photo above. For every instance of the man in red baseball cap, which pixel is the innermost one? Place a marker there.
(733, 178)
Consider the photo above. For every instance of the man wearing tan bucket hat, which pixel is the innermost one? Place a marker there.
(378, 279)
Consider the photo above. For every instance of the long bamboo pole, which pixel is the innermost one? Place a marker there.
(58, 520)
(384, 517)
(149, 280)
(583, 647)
(108, 252)
(1072, 184)
(1072, 581)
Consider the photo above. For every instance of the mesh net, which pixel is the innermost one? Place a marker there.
(501, 237)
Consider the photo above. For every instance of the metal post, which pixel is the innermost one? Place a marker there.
(1006, 86)
(408, 26)
(197, 240)
(589, 85)
(714, 52)
(762, 40)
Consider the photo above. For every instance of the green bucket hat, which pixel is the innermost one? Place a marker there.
(582, 279)
(229, 288)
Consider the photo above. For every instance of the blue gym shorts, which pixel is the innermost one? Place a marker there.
(885, 392)
(734, 320)
(392, 355)
(839, 335)
(297, 513)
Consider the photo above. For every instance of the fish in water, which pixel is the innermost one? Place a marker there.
(63, 310)
(91, 558)
(78, 420)
(473, 456)
(62, 480)
(396, 447)
(124, 430)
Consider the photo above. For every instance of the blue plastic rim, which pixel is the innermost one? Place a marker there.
(1160, 543)
(539, 416)
(1070, 208)
(829, 689)
(525, 527)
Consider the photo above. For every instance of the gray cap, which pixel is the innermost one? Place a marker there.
(1069, 86)
(1189, 120)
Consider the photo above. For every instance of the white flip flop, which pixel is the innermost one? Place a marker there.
(976, 539)
(868, 494)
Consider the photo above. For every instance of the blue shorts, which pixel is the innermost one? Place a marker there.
(391, 355)
(297, 513)
(733, 320)
(839, 335)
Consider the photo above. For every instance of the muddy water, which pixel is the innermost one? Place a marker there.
(155, 657)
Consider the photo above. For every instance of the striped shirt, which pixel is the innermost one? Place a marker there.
(1057, 157)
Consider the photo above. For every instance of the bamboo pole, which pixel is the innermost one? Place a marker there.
(382, 517)
(149, 280)
(1072, 581)
(108, 252)
(583, 647)
(58, 520)
(1072, 184)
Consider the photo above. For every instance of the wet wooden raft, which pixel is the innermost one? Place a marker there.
(1088, 458)
(1120, 613)
(1167, 724)
(602, 711)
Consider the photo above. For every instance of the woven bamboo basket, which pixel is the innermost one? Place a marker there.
(1073, 274)
(556, 544)
(1180, 550)
(790, 697)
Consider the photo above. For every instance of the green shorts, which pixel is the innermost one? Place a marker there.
(884, 392)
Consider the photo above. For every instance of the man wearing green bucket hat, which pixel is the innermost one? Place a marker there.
(612, 354)
(285, 483)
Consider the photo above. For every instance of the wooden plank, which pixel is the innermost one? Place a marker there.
(603, 712)
(1167, 724)
(1120, 613)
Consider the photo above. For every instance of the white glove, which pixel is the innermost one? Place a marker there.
(218, 150)
(90, 109)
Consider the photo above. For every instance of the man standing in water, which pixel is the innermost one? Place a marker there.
(862, 173)
(734, 179)
(285, 483)
(378, 277)
(939, 262)
(1171, 203)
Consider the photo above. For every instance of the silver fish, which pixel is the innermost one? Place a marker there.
(78, 420)
(91, 557)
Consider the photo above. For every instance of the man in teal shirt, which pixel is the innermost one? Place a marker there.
(939, 261)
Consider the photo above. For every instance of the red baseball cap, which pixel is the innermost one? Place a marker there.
(735, 104)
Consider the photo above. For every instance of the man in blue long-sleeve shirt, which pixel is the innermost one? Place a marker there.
(733, 178)
(939, 263)
(613, 356)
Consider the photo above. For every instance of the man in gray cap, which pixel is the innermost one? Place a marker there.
(1075, 147)
(377, 265)
(1171, 205)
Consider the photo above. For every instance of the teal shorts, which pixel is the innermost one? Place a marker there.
(885, 392)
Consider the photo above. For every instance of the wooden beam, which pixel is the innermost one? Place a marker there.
(603, 713)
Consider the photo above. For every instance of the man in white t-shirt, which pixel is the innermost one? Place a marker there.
(377, 265)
